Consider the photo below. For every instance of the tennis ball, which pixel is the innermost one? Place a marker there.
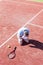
(9, 46)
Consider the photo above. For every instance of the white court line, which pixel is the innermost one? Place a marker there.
(25, 3)
(36, 25)
(21, 27)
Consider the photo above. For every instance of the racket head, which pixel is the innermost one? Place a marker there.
(11, 55)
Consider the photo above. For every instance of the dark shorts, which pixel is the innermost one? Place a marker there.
(24, 42)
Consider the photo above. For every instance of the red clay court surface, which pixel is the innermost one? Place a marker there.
(14, 15)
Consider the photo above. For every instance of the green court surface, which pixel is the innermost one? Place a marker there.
(38, 0)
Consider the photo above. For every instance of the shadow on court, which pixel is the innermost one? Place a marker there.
(35, 44)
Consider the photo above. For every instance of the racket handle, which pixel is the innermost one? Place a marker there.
(15, 48)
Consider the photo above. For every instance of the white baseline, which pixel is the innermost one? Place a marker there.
(39, 26)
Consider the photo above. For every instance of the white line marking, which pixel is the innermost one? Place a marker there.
(33, 18)
(28, 22)
(25, 3)
(36, 25)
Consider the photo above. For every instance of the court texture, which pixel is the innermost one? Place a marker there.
(15, 14)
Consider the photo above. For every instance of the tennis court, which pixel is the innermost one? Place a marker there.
(13, 16)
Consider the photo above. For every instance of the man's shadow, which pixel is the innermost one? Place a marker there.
(35, 44)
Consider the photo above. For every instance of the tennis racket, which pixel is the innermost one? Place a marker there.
(12, 54)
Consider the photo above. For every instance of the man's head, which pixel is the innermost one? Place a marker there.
(26, 32)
